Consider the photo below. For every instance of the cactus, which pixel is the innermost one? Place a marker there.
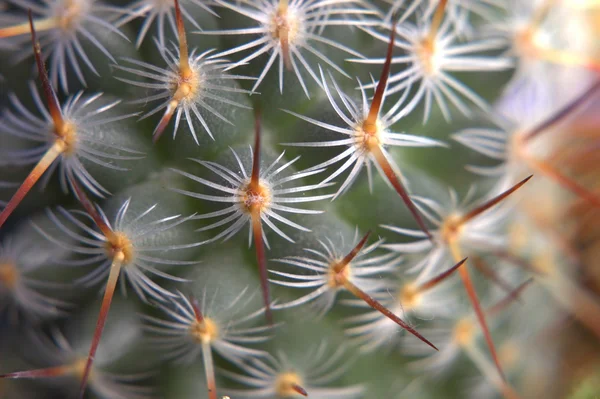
(468, 269)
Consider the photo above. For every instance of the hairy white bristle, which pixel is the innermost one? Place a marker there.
(281, 376)
(314, 272)
(180, 336)
(210, 84)
(357, 154)
(290, 32)
(161, 12)
(87, 115)
(144, 258)
(22, 295)
(63, 25)
(278, 192)
(429, 63)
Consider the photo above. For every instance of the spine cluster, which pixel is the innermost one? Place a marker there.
(466, 266)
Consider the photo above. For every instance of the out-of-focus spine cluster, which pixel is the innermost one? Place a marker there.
(467, 266)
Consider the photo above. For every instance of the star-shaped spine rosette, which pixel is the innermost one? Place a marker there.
(524, 143)
(193, 328)
(256, 197)
(433, 53)
(131, 245)
(476, 233)
(133, 233)
(185, 86)
(458, 11)
(460, 233)
(67, 135)
(368, 133)
(22, 294)
(543, 49)
(289, 32)
(524, 33)
(358, 153)
(161, 12)
(310, 375)
(84, 113)
(355, 272)
(460, 335)
(421, 297)
(65, 360)
(363, 271)
(62, 25)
